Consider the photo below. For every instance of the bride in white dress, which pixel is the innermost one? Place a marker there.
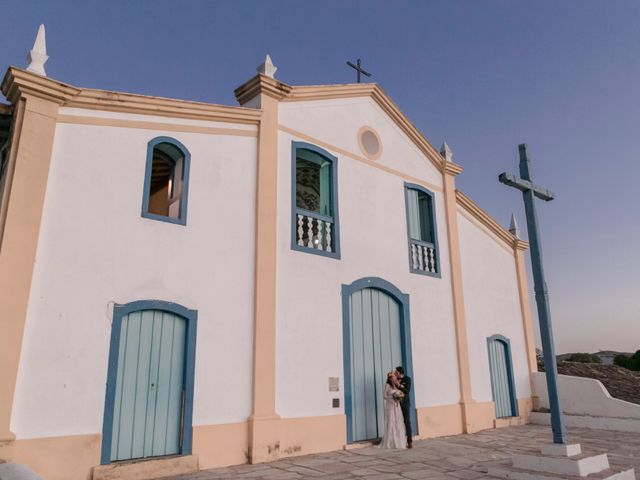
(395, 435)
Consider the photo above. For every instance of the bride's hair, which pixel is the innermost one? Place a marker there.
(390, 379)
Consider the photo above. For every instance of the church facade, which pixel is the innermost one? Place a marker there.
(201, 285)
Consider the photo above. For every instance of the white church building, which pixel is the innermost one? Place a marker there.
(187, 285)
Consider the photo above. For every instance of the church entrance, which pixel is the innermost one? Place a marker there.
(376, 340)
(501, 369)
(150, 382)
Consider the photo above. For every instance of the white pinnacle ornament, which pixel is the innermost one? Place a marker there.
(38, 54)
(513, 228)
(446, 152)
(267, 67)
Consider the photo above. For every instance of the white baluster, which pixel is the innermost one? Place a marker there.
(310, 232)
(421, 258)
(328, 236)
(300, 230)
(432, 260)
(413, 256)
(425, 251)
(319, 245)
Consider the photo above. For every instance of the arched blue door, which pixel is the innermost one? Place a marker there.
(376, 333)
(150, 384)
(501, 369)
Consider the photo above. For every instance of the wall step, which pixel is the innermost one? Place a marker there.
(510, 473)
(508, 422)
(145, 469)
(561, 461)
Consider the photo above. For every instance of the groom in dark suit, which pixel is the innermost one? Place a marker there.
(405, 403)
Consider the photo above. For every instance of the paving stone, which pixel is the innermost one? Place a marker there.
(422, 474)
(307, 472)
(466, 474)
(384, 476)
(461, 457)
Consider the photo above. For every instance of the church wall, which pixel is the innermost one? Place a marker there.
(96, 249)
(491, 305)
(373, 242)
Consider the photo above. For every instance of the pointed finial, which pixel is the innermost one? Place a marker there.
(446, 152)
(38, 54)
(267, 68)
(513, 228)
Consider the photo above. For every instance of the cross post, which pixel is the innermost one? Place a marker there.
(529, 191)
(358, 68)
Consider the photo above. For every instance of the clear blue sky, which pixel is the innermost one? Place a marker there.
(564, 77)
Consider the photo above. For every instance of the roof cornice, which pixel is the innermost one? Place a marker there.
(261, 84)
(451, 168)
(18, 82)
(488, 221)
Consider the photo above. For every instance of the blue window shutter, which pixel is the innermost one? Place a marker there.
(414, 215)
(424, 204)
(325, 189)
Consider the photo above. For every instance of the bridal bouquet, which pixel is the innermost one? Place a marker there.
(398, 396)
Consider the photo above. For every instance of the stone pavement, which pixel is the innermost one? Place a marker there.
(465, 457)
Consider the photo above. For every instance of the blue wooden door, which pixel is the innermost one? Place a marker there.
(375, 349)
(149, 391)
(501, 379)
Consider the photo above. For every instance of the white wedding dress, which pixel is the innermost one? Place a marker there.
(395, 435)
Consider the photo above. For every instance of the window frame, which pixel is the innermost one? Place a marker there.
(182, 220)
(434, 229)
(295, 146)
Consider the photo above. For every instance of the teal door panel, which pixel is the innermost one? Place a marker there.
(375, 349)
(501, 381)
(149, 385)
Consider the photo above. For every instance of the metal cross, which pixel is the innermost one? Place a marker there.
(359, 69)
(529, 190)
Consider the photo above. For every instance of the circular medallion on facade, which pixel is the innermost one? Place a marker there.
(370, 143)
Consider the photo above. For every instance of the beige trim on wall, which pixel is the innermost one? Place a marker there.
(112, 122)
(30, 155)
(359, 158)
(527, 325)
(221, 445)
(68, 457)
(17, 80)
(440, 420)
(264, 422)
(457, 293)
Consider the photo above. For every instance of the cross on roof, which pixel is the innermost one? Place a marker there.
(358, 68)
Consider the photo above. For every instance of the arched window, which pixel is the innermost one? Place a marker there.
(314, 201)
(421, 230)
(166, 182)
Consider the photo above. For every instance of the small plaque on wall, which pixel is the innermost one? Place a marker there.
(336, 403)
(334, 384)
